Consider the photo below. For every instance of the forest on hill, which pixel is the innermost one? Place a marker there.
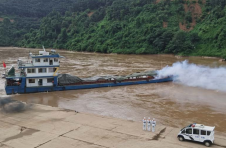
(183, 27)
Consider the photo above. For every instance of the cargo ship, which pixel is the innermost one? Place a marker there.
(40, 74)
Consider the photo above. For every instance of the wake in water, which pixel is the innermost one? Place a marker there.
(196, 76)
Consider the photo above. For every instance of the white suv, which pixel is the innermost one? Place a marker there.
(197, 132)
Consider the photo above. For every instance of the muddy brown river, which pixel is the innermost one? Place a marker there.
(170, 103)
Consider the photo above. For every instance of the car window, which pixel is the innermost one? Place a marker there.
(196, 131)
(189, 131)
(203, 132)
(208, 133)
(183, 131)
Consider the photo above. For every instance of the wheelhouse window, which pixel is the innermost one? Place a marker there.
(52, 69)
(55, 60)
(203, 132)
(208, 133)
(46, 60)
(37, 60)
(196, 131)
(42, 70)
(189, 131)
(31, 80)
(31, 70)
(50, 80)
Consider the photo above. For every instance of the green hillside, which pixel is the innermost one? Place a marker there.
(194, 27)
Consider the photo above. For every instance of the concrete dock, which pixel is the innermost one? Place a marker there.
(48, 127)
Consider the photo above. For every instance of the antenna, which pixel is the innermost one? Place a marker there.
(43, 48)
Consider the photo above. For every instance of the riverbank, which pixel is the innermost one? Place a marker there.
(163, 54)
(44, 127)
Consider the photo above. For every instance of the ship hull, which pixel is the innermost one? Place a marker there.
(22, 90)
(19, 90)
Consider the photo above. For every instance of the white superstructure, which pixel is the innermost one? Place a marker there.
(40, 69)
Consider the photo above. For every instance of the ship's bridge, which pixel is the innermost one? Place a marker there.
(42, 64)
(44, 58)
(40, 68)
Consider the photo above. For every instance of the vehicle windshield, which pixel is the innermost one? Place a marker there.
(189, 125)
(182, 129)
(186, 126)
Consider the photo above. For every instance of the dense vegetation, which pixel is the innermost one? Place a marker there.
(116, 26)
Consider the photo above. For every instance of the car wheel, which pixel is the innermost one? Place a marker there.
(181, 138)
(207, 143)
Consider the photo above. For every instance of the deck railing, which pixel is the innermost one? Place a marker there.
(22, 63)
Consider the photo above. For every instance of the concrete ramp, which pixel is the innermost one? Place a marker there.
(48, 127)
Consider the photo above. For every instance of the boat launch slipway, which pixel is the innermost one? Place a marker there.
(40, 74)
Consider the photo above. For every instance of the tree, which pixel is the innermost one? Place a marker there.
(179, 43)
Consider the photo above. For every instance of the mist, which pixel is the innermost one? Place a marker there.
(196, 75)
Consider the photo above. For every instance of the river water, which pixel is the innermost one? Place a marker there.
(170, 103)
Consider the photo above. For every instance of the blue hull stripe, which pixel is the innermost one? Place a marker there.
(30, 77)
(47, 56)
(21, 90)
(41, 77)
(38, 66)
